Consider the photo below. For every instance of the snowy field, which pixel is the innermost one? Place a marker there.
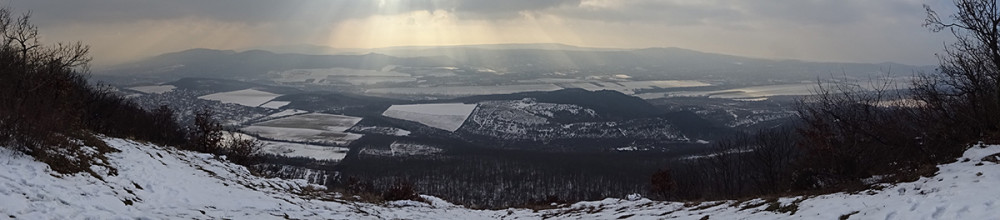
(630, 87)
(154, 182)
(293, 149)
(285, 113)
(332, 75)
(465, 90)
(246, 97)
(305, 150)
(447, 116)
(403, 149)
(154, 89)
(275, 104)
(540, 85)
(312, 128)
(754, 93)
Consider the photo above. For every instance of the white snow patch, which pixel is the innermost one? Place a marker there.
(447, 116)
(287, 112)
(246, 97)
(305, 150)
(154, 89)
(465, 90)
(275, 104)
(310, 128)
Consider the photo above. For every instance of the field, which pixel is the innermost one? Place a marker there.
(629, 87)
(315, 128)
(465, 90)
(295, 149)
(753, 93)
(335, 75)
(448, 116)
(539, 85)
(154, 89)
(305, 150)
(246, 97)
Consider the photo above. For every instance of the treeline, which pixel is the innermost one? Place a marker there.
(483, 177)
(49, 110)
(852, 136)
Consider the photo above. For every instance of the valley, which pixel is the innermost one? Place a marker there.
(380, 118)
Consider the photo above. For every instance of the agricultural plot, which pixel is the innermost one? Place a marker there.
(341, 75)
(275, 104)
(465, 90)
(403, 149)
(295, 149)
(447, 116)
(630, 87)
(305, 150)
(316, 128)
(154, 89)
(246, 97)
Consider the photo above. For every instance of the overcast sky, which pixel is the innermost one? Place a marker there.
(821, 30)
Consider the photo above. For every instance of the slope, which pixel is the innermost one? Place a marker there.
(156, 182)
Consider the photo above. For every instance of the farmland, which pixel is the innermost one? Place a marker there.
(448, 116)
(315, 128)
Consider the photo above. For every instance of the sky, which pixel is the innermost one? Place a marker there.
(815, 30)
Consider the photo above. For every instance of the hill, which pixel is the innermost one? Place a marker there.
(647, 64)
(159, 182)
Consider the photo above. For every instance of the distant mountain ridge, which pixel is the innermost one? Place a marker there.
(650, 63)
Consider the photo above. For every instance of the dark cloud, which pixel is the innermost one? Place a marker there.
(258, 11)
(661, 12)
(834, 23)
(733, 12)
(246, 11)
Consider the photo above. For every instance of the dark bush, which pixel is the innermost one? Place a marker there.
(662, 184)
(400, 190)
(206, 134)
(243, 151)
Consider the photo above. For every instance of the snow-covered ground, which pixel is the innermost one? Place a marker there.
(154, 182)
(629, 87)
(285, 113)
(334, 75)
(275, 104)
(403, 149)
(305, 150)
(446, 116)
(312, 127)
(465, 90)
(154, 89)
(246, 97)
(288, 149)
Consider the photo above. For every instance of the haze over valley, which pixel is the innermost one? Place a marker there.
(469, 109)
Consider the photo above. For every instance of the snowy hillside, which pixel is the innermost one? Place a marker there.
(157, 182)
(444, 116)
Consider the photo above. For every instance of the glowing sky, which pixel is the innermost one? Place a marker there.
(827, 30)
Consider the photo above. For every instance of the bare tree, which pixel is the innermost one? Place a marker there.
(966, 92)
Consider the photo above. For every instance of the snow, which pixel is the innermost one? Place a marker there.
(160, 89)
(312, 128)
(630, 87)
(287, 112)
(446, 116)
(465, 90)
(305, 150)
(246, 97)
(334, 75)
(403, 149)
(155, 182)
(382, 130)
(288, 149)
(275, 104)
